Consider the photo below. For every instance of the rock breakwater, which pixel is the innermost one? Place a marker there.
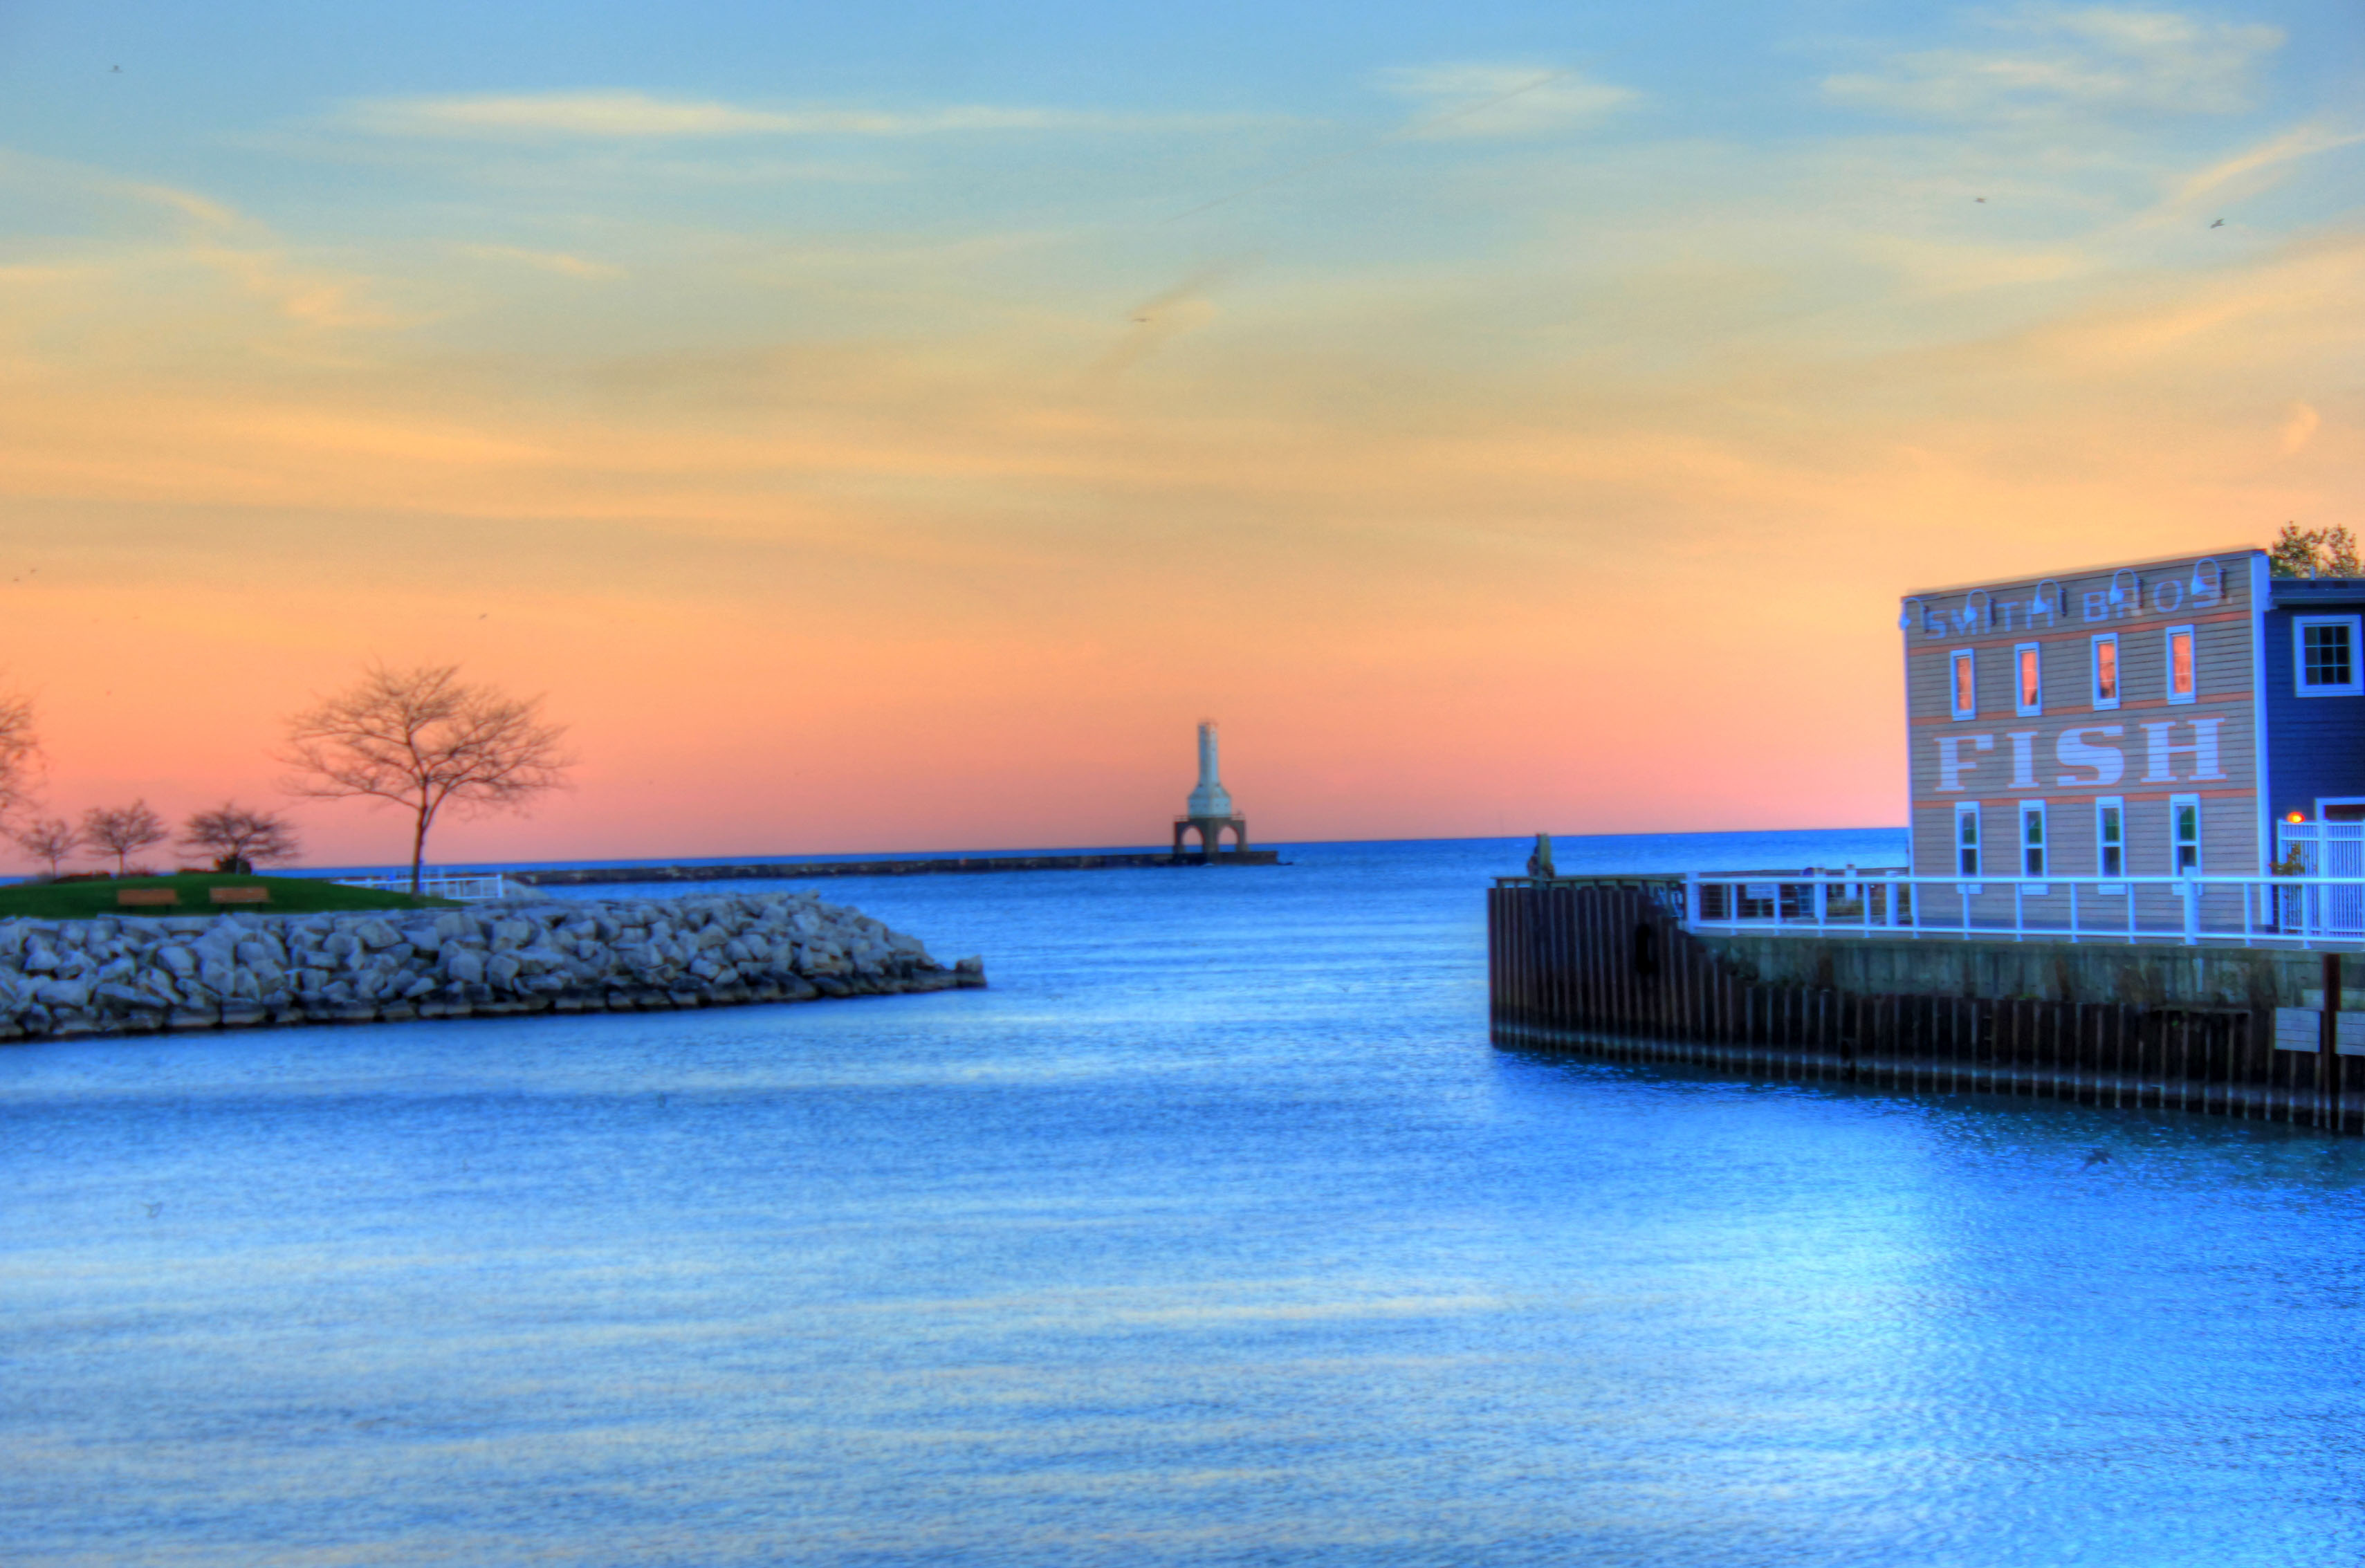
(63, 978)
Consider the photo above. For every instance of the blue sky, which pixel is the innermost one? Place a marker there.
(1045, 378)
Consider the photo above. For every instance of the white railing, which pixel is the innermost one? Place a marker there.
(2328, 850)
(2284, 912)
(470, 889)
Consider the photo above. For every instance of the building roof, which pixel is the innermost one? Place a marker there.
(2239, 553)
(2293, 593)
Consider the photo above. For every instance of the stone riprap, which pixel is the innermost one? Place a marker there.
(131, 974)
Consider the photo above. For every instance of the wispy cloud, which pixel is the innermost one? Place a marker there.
(2299, 428)
(626, 114)
(2055, 59)
(258, 262)
(547, 261)
(1501, 100)
(2237, 171)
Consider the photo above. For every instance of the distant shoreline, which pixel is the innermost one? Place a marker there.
(791, 870)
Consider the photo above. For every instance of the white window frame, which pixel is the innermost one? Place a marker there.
(1967, 810)
(2033, 811)
(2027, 710)
(2167, 650)
(2094, 671)
(2176, 806)
(2355, 685)
(1957, 660)
(2104, 805)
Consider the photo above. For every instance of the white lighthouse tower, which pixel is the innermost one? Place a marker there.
(1210, 809)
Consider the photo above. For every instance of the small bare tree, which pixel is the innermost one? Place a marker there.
(239, 839)
(51, 840)
(423, 740)
(19, 752)
(122, 831)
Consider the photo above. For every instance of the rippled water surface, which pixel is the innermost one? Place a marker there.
(1215, 1233)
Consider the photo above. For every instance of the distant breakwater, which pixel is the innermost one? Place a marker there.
(133, 975)
(792, 871)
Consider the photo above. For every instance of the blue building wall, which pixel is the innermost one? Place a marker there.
(2316, 746)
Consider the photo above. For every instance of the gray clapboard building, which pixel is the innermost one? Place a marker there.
(2188, 715)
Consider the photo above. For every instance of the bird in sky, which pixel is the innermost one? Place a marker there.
(1979, 198)
(2219, 224)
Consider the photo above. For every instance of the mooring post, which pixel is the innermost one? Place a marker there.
(2327, 1048)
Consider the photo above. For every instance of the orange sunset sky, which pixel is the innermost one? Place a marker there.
(895, 432)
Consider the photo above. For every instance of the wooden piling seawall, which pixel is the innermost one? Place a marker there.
(1605, 967)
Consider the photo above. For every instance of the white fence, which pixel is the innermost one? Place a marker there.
(2331, 850)
(469, 889)
(2279, 911)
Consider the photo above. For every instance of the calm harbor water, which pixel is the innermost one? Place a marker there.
(1215, 1233)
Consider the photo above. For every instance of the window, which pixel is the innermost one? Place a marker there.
(2107, 670)
(1963, 680)
(2183, 680)
(2184, 834)
(2324, 656)
(1966, 839)
(2032, 838)
(2111, 838)
(2028, 679)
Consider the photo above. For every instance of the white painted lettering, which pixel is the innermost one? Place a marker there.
(2098, 606)
(1951, 765)
(2072, 751)
(2202, 751)
(2024, 758)
(2168, 597)
(2036, 607)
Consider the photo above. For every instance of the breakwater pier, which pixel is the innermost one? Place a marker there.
(799, 870)
(63, 979)
(1816, 977)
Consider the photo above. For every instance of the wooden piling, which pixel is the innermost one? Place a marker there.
(1606, 968)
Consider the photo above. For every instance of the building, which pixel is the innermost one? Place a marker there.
(2157, 718)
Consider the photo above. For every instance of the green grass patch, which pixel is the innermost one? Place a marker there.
(289, 895)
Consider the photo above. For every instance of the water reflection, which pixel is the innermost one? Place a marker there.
(1215, 1233)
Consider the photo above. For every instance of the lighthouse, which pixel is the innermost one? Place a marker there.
(1209, 811)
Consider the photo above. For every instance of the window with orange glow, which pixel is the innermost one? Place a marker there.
(2107, 670)
(2183, 680)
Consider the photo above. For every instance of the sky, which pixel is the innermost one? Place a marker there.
(894, 427)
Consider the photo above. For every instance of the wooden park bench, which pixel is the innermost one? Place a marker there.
(145, 898)
(251, 893)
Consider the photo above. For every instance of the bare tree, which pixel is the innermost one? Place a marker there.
(423, 740)
(121, 831)
(49, 839)
(20, 751)
(238, 838)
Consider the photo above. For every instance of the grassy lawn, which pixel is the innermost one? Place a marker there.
(289, 895)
